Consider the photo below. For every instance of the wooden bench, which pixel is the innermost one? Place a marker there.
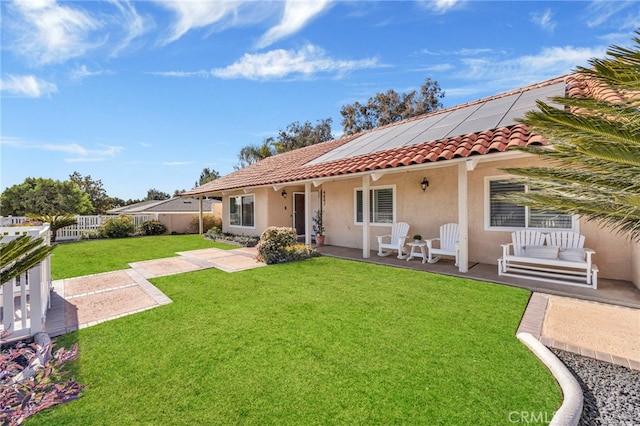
(557, 257)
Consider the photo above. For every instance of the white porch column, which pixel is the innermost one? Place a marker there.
(463, 219)
(308, 213)
(366, 243)
(200, 217)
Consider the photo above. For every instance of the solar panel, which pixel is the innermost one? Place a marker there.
(490, 114)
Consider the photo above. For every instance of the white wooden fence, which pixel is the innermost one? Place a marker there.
(25, 299)
(85, 224)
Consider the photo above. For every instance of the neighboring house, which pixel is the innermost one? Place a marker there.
(459, 150)
(176, 213)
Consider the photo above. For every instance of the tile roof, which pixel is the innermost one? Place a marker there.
(171, 205)
(308, 163)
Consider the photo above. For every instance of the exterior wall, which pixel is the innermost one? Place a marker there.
(635, 264)
(616, 256)
(178, 223)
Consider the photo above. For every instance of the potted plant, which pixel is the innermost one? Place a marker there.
(417, 238)
(318, 228)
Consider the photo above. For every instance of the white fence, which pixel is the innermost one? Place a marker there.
(85, 224)
(25, 299)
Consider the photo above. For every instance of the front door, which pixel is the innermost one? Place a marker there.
(299, 213)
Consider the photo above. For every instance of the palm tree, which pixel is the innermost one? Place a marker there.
(55, 221)
(251, 154)
(594, 161)
(21, 254)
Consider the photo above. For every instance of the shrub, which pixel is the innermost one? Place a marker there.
(152, 227)
(208, 221)
(278, 245)
(117, 227)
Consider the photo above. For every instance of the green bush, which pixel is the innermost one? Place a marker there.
(208, 221)
(278, 245)
(152, 227)
(117, 227)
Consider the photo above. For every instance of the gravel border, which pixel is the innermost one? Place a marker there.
(611, 392)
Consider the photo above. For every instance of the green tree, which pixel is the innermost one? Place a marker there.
(298, 135)
(390, 107)
(594, 164)
(251, 154)
(55, 221)
(207, 175)
(95, 191)
(154, 194)
(42, 196)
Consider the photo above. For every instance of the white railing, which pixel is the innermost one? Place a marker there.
(85, 224)
(25, 299)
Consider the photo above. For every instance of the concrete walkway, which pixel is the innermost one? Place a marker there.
(85, 301)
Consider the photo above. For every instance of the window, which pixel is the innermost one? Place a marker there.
(380, 205)
(241, 211)
(506, 215)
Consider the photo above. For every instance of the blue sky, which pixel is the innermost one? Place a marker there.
(146, 94)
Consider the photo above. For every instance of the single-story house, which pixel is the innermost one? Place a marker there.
(177, 213)
(459, 151)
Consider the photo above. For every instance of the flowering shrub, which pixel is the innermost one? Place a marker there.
(278, 245)
(117, 227)
(152, 227)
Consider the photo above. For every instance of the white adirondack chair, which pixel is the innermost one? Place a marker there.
(394, 241)
(448, 243)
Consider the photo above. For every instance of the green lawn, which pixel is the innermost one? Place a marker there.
(321, 341)
(96, 256)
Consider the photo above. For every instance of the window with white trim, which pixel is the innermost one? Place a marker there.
(381, 205)
(241, 211)
(503, 214)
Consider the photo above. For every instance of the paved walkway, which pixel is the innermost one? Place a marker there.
(85, 301)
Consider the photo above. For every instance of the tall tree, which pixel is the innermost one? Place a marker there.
(154, 194)
(390, 107)
(95, 191)
(298, 135)
(251, 154)
(594, 166)
(207, 175)
(44, 196)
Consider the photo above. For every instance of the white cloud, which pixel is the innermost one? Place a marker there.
(178, 163)
(441, 6)
(47, 32)
(134, 24)
(296, 15)
(77, 152)
(198, 14)
(499, 73)
(82, 72)
(544, 20)
(280, 63)
(27, 85)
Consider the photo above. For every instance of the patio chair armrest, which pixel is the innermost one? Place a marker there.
(430, 241)
(380, 237)
(505, 249)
